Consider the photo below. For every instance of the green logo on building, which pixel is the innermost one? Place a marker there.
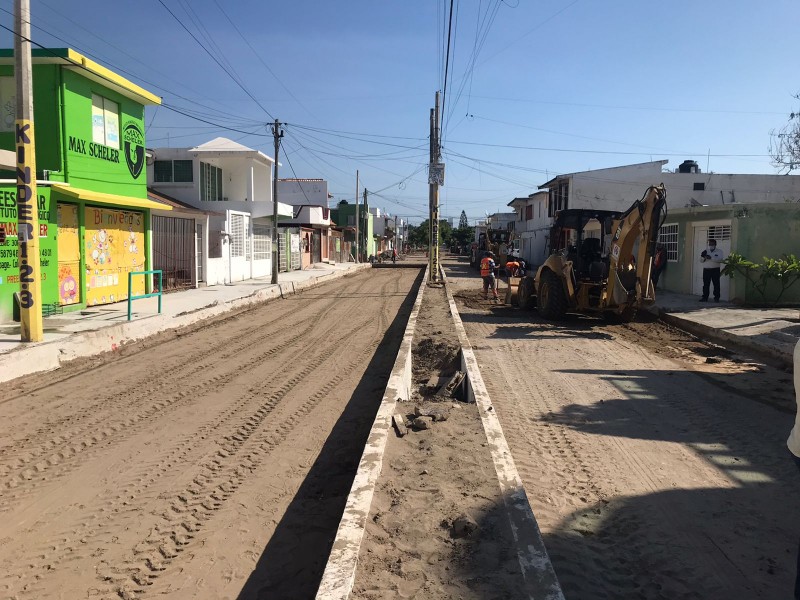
(134, 147)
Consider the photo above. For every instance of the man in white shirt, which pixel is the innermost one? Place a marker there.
(711, 258)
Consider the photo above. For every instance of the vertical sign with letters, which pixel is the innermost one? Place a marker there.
(30, 293)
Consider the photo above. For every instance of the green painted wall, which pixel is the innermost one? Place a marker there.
(339, 216)
(94, 166)
(9, 267)
(756, 231)
(47, 118)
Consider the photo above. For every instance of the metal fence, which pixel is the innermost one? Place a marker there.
(174, 251)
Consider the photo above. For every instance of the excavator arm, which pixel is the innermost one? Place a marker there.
(629, 282)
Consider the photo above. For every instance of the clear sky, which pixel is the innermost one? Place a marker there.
(556, 86)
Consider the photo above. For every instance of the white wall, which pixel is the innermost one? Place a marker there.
(303, 192)
(613, 189)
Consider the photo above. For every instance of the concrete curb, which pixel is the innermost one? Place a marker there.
(540, 579)
(340, 572)
(46, 356)
(722, 337)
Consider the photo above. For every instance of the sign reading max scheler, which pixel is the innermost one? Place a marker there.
(93, 149)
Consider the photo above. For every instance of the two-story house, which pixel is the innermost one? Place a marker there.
(311, 219)
(94, 215)
(235, 183)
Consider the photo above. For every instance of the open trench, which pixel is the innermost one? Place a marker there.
(437, 526)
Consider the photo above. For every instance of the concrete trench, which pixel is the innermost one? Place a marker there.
(539, 578)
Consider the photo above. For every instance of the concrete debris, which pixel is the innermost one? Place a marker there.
(422, 423)
(399, 424)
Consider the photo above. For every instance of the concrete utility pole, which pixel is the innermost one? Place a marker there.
(358, 258)
(435, 179)
(30, 284)
(277, 134)
(366, 220)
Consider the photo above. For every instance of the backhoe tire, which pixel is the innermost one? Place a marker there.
(551, 299)
(526, 293)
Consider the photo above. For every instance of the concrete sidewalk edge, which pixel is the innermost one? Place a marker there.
(340, 570)
(47, 356)
(540, 579)
(724, 338)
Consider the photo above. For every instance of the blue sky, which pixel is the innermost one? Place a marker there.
(557, 86)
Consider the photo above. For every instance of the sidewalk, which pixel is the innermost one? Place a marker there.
(771, 333)
(103, 328)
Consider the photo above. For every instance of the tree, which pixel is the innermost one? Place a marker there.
(463, 223)
(418, 235)
(784, 144)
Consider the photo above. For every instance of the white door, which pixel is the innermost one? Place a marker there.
(722, 234)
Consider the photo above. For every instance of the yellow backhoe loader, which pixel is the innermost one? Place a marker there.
(599, 261)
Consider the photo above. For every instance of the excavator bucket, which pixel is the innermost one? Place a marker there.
(512, 291)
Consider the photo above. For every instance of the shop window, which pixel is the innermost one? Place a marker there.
(168, 171)
(105, 121)
(210, 183)
(668, 235)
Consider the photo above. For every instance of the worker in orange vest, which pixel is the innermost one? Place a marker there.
(488, 267)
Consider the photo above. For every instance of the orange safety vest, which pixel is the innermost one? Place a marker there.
(486, 267)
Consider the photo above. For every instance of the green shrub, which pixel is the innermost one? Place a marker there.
(785, 271)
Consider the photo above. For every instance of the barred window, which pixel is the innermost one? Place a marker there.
(262, 242)
(237, 236)
(210, 183)
(668, 235)
(719, 232)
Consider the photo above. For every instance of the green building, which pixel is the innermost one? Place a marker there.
(90, 157)
(344, 215)
(753, 230)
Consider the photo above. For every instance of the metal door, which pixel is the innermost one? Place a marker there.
(316, 247)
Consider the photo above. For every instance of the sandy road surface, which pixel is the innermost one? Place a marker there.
(649, 476)
(211, 463)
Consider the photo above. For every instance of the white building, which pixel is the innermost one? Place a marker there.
(532, 227)
(299, 192)
(617, 188)
(235, 183)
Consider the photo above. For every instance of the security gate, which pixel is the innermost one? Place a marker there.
(174, 251)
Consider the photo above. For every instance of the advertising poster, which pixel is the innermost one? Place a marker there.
(114, 246)
(69, 255)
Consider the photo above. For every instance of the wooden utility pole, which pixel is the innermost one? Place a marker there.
(358, 256)
(277, 134)
(30, 277)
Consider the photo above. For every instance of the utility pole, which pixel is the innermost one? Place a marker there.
(358, 256)
(396, 237)
(30, 294)
(435, 179)
(277, 134)
(366, 220)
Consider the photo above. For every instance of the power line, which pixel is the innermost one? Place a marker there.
(214, 58)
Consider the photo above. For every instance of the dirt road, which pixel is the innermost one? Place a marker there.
(208, 463)
(653, 474)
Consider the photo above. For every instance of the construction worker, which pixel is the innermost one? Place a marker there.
(488, 267)
(512, 267)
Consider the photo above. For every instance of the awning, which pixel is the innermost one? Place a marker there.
(109, 199)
